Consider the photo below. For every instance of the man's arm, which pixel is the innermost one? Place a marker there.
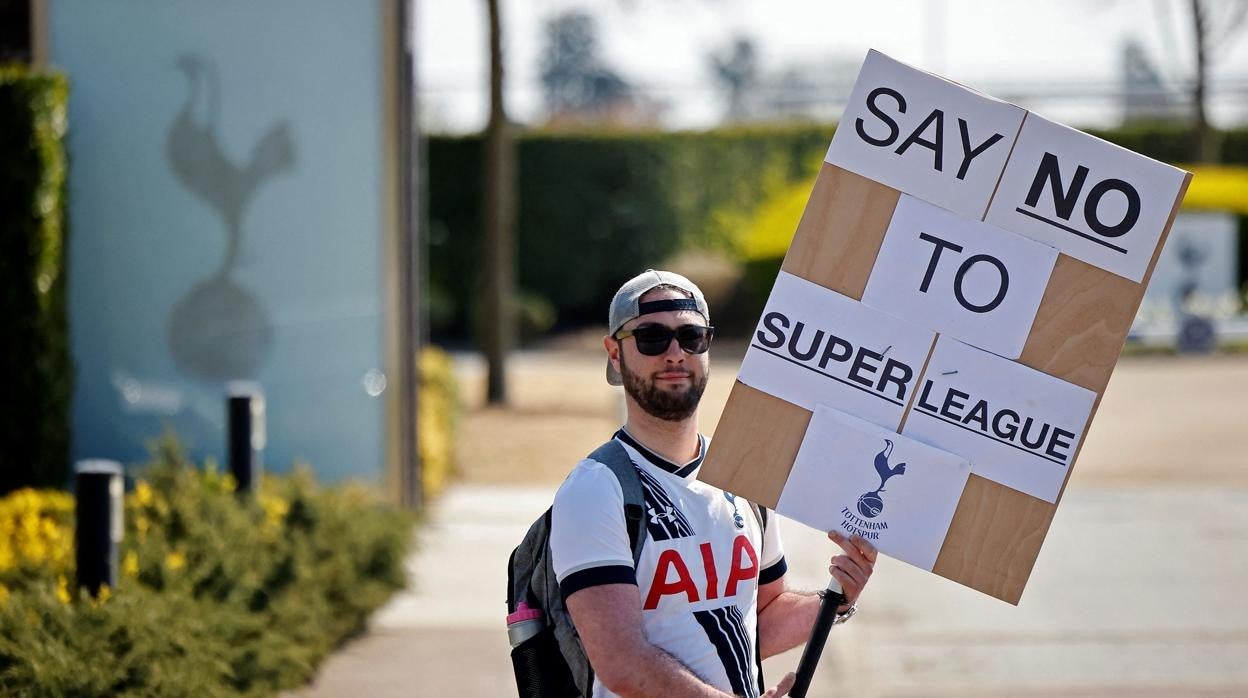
(785, 617)
(608, 619)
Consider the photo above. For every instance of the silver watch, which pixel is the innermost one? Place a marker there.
(840, 617)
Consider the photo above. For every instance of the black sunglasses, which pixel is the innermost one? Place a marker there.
(653, 340)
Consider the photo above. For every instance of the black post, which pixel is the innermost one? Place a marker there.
(244, 407)
(832, 598)
(99, 526)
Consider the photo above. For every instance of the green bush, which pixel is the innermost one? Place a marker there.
(35, 366)
(217, 595)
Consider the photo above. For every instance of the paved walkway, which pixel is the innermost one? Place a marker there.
(1137, 592)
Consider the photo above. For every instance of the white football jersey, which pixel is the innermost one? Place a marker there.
(704, 557)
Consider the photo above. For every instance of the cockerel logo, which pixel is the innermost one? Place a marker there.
(220, 330)
(871, 504)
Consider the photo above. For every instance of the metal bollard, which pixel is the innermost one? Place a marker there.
(99, 526)
(245, 433)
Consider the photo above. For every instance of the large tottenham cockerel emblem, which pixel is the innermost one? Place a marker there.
(871, 504)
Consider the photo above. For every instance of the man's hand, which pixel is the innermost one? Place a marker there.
(782, 688)
(853, 569)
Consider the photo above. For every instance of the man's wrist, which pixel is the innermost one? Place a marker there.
(844, 611)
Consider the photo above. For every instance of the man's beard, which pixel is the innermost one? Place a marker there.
(668, 405)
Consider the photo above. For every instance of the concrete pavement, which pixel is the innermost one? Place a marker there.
(1137, 592)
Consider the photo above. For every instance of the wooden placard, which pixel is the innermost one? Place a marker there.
(1077, 336)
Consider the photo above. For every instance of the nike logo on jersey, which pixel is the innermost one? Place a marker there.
(743, 567)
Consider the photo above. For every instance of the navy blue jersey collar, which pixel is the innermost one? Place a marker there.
(662, 463)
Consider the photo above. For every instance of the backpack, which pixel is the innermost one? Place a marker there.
(552, 663)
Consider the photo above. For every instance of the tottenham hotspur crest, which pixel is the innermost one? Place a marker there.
(736, 514)
(870, 504)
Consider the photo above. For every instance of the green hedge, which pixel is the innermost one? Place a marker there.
(217, 594)
(596, 208)
(35, 367)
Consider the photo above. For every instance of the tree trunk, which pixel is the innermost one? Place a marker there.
(498, 330)
(1203, 142)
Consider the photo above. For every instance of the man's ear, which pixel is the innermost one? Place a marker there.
(613, 350)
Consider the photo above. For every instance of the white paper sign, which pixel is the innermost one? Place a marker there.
(925, 136)
(1016, 425)
(857, 478)
(816, 346)
(1090, 199)
(969, 279)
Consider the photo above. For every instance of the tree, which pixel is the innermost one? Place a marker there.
(1213, 23)
(498, 330)
(736, 72)
(577, 83)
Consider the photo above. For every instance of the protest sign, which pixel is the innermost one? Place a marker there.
(1029, 315)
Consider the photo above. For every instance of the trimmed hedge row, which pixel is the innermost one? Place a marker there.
(35, 366)
(217, 595)
(595, 209)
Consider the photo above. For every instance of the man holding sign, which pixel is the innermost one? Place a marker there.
(706, 600)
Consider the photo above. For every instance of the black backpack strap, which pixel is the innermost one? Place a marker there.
(613, 455)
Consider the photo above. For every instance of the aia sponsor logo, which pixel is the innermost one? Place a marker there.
(672, 577)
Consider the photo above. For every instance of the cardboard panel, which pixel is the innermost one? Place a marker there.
(994, 539)
(1082, 323)
(841, 231)
(755, 445)
(999, 562)
(1085, 315)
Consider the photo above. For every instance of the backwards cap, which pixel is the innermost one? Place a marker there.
(627, 304)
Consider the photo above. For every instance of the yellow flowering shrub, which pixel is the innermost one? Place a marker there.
(218, 592)
(36, 531)
(437, 415)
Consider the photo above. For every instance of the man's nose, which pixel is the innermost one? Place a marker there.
(674, 352)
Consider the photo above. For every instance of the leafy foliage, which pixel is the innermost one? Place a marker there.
(35, 365)
(217, 594)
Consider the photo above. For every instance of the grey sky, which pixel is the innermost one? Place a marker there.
(1008, 48)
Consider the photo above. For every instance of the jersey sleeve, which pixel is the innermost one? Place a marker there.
(773, 563)
(588, 536)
